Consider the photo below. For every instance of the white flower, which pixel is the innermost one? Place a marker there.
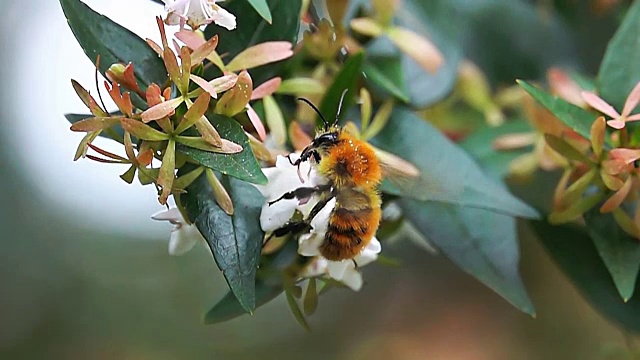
(285, 177)
(197, 13)
(183, 236)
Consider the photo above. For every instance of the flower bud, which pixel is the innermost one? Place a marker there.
(125, 76)
(219, 192)
(236, 99)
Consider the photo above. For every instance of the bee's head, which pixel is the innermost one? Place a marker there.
(326, 139)
(320, 144)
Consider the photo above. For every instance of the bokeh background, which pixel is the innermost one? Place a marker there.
(84, 272)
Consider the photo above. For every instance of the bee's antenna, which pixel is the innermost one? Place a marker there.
(324, 120)
(344, 92)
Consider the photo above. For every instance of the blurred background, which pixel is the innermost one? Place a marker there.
(86, 274)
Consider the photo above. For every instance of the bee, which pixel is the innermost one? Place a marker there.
(353, 172)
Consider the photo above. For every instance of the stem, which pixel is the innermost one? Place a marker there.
(624, 137)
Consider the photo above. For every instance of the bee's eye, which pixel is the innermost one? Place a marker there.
(325, 139)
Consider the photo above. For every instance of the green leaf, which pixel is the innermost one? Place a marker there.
(346, 79)
(252, 29)
(262, 8)
(448, 174)
(577, 256)
(619, 251)
(433, 20)
(386, 73)
(481, 242)
(99, 35)
(242, 165)
(619, 71)
(236, 240)
(578, 119)
(495, 163)
(565, 149)
(295, 309)
(269, 284)
(229, 308)
(500, 37)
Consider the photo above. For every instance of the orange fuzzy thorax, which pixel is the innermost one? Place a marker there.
(351, 162)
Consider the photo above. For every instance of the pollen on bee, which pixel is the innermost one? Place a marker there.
(353, 165)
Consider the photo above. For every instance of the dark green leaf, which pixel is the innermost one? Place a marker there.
(295, 309)
(387, 73)
(236, 240)
(252, 29)
(565, 149)
(346, 79)
(229, 308)
(504, 38)
(242, 165)
(578, 119)
(114, 133)
(262, 8)
(433, 20)
(481, 242)
(448, 174)
(576, 255)
(619, 251)
(619, 71)
(495, 162)
(99, 35)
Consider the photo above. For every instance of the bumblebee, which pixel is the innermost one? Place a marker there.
(353, 173)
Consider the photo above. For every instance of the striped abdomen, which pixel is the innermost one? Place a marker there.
(352, 224)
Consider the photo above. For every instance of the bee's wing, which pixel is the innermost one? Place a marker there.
(403, 178)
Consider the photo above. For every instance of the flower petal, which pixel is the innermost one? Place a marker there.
(353, 279)
(617, 198)
(624, 154)
(261, 54)
(266, 88)
(256, 122)
(225, 19)
(632, 100)
(337, 269)
(275, 216)
(369, 254)
(597, 103)
(172, 215)
(309, 244)
(183, 238)
(616, 124)
(317, 267)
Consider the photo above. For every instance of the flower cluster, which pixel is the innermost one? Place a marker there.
(604, 172)
(197, 13)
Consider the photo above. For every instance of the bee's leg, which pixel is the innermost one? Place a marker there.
(319, 206)
(303, 225)
(312, 154)
(288, 228)
(355, 264)
(302, 193)
(294, 163)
